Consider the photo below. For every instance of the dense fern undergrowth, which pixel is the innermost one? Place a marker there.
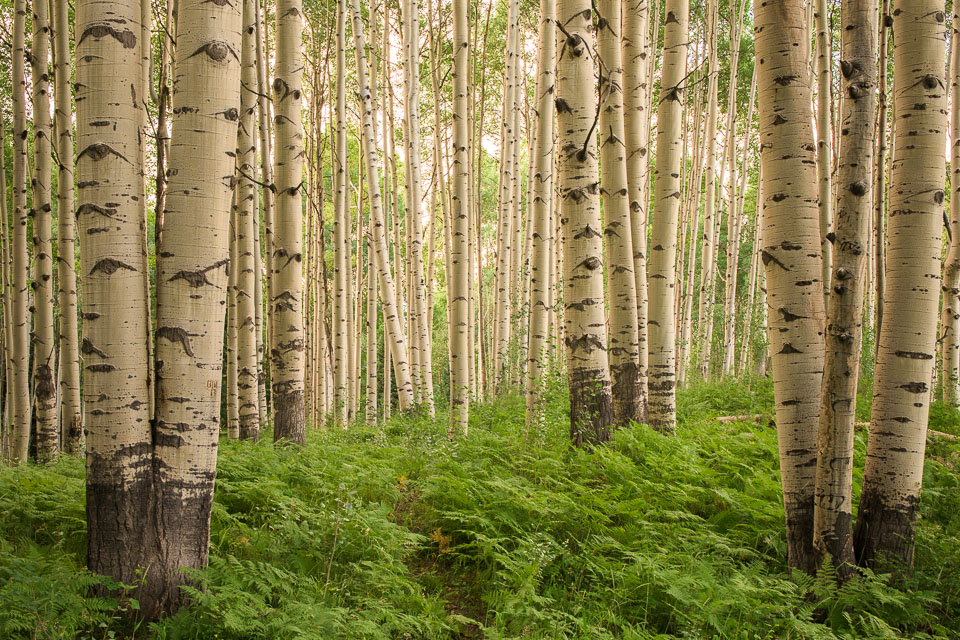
(398, 533)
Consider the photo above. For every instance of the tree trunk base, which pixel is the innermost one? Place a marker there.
(288, 419)
(885, 530)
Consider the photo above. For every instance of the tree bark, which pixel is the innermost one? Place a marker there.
(591, 403)
(71, 419)
(286, 303)
(662, 413)
(119, 464)
(791, 257)
(905, 357)
(833, 501)
(624, 349)
(540, 303)
(248, 369)
(636, 115)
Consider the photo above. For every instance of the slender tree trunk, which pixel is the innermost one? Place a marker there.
(505, 209)
(192, 277)
(6, 427)
(537, 351)
(824, 137)
(341, 245)
(286, 303)
(371, 408)
(269, 195)
(624, 349)
(20, 340)
(459, 284)
(791, 238)
(389, 298)
(710, 218)
(663, 256)
(71, 420)
(950, 313)
(119, 476)
(246, 234)
(636, 114)
(905, 357)
(833, 501)
(880, 171)
(230, 392)
(591, 403)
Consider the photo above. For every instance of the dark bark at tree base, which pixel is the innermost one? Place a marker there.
(627, 404)
(800, 551)
(288, 419)
(839, 546)
(250, 428)
(885, 531)
(591, 408)
(120, 522)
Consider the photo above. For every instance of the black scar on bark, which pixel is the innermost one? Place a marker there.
(197, 279)
(87, 348)
(110, 266)
(177, 334)
(125, 37)
(99, 151)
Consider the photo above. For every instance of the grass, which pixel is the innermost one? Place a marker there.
(399, 533)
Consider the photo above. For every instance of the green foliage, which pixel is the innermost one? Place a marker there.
(397, 532)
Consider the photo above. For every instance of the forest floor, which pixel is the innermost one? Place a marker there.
(397, 532)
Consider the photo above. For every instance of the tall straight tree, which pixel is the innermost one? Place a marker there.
(621, 285)
(115, 332)
(824, 135)
(460, 320)
(540, 281)
(246, 230)
(662, 410)
(192, 265)
(20, 338)
(636, 117)
(393, 328)
(950, 313)
(287, 303)
(44, 343)
(791, 256)
(419, 339)
(341, 243)
(591, 403)
(71, 419)
(893, 473)
(833, 532)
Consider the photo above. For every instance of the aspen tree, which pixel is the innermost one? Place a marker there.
(71, 420)
(389, 299)
(833, 501)
(880, 171)
(6, 437)
(268, 202)
(371, 322)
(502, 310)
(286, 303)
(662, 410)
(20, 338)
(419, 341)
(905, 355)
(119, 462)
(44, 344)
(623, 348)
(752, 286)
(459, 283)
(192, 265)
(734, 209)
(591, 403)
(246, 232)
(824, 136)
(950, 313)
(710, 223)
(230, 391)
(791, 257)
(341, 245)
(537, 351)
(636, 119)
